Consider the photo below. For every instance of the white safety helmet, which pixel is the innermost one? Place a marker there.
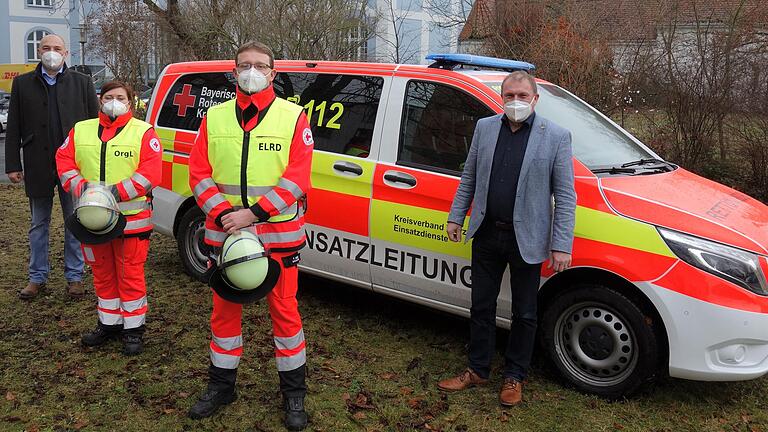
(243, 260)
(244, 270)
(97, 210)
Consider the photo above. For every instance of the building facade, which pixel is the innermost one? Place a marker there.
(407, 30)
(25, 22)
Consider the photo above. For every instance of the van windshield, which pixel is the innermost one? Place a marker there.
(596, 142)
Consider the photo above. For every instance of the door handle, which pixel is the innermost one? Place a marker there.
(348, 167)
(399, 179)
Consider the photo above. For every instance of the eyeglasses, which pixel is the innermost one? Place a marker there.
(242, 67)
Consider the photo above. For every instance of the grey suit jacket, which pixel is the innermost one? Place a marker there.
(547, 171)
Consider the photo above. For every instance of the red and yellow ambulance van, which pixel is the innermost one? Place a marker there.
(669, 268)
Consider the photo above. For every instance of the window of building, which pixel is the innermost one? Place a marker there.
(39, 3)
(440, 39)
(357, 40)
(409, 41)
(33, 43)
(410, 5)
(437, 127)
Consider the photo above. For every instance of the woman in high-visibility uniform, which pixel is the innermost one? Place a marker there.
(123, 154)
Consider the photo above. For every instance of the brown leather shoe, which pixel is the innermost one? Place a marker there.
(511, 392)
(31, 290)
(75, 288)
(463, 381)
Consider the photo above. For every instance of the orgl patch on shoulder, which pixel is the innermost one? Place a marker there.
(307, 136)
(66, 143)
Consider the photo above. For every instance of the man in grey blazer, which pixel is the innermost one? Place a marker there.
(517, 162)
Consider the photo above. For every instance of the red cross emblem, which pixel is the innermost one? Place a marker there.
(307, 136)
(184, 100)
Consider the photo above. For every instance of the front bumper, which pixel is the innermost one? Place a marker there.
(708, 342)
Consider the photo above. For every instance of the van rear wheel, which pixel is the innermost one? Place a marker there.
(192, 248)
(600, 341)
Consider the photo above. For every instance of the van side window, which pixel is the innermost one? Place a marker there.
(341, 109)
(190, 97)
(437, 127)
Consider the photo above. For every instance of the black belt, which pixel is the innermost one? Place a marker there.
(504, 226)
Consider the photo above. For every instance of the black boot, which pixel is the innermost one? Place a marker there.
(133, 341)
(294, 388)
(101, 334)
(295, 416)
(220, 392)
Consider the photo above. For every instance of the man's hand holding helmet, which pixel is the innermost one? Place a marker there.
(238, 219)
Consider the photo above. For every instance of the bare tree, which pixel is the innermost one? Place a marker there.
(561, 40)
(310, 29)
(122, 35)
(448, 13)
(704, 57)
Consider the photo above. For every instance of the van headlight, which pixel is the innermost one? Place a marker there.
(734, 265)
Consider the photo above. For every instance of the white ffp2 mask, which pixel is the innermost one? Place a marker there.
(252, 81)
(518, 110)
(114, 108)
(52, 60)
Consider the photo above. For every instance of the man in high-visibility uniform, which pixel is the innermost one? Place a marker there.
(123, 153)
(251, 164)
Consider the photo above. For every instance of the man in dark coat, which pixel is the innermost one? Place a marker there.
(45, 104)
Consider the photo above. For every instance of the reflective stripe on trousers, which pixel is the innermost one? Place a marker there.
(291, 342)
(107, 318)
(134, 312)
(109, 311)
(228, 343)
(134, 321)
(225, 351)
(224, 361)
(286, 354)
(110, 304)
(285, 364)
(130, 306)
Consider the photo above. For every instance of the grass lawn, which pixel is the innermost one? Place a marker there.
(372, 364)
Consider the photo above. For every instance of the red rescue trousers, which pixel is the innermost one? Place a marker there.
(118, 278)
(226, 324)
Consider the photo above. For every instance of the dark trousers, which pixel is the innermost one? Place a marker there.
(492, 250)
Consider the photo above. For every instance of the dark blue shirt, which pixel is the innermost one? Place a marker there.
(505, 171)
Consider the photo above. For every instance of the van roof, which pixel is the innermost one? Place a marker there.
(482, 75)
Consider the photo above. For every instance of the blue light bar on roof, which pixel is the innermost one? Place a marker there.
(449, 61)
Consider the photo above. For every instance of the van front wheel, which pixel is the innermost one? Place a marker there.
(192, 249)
(600, 341)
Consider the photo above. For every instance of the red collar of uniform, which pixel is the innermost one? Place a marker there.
(260, 99)
(119, 121)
